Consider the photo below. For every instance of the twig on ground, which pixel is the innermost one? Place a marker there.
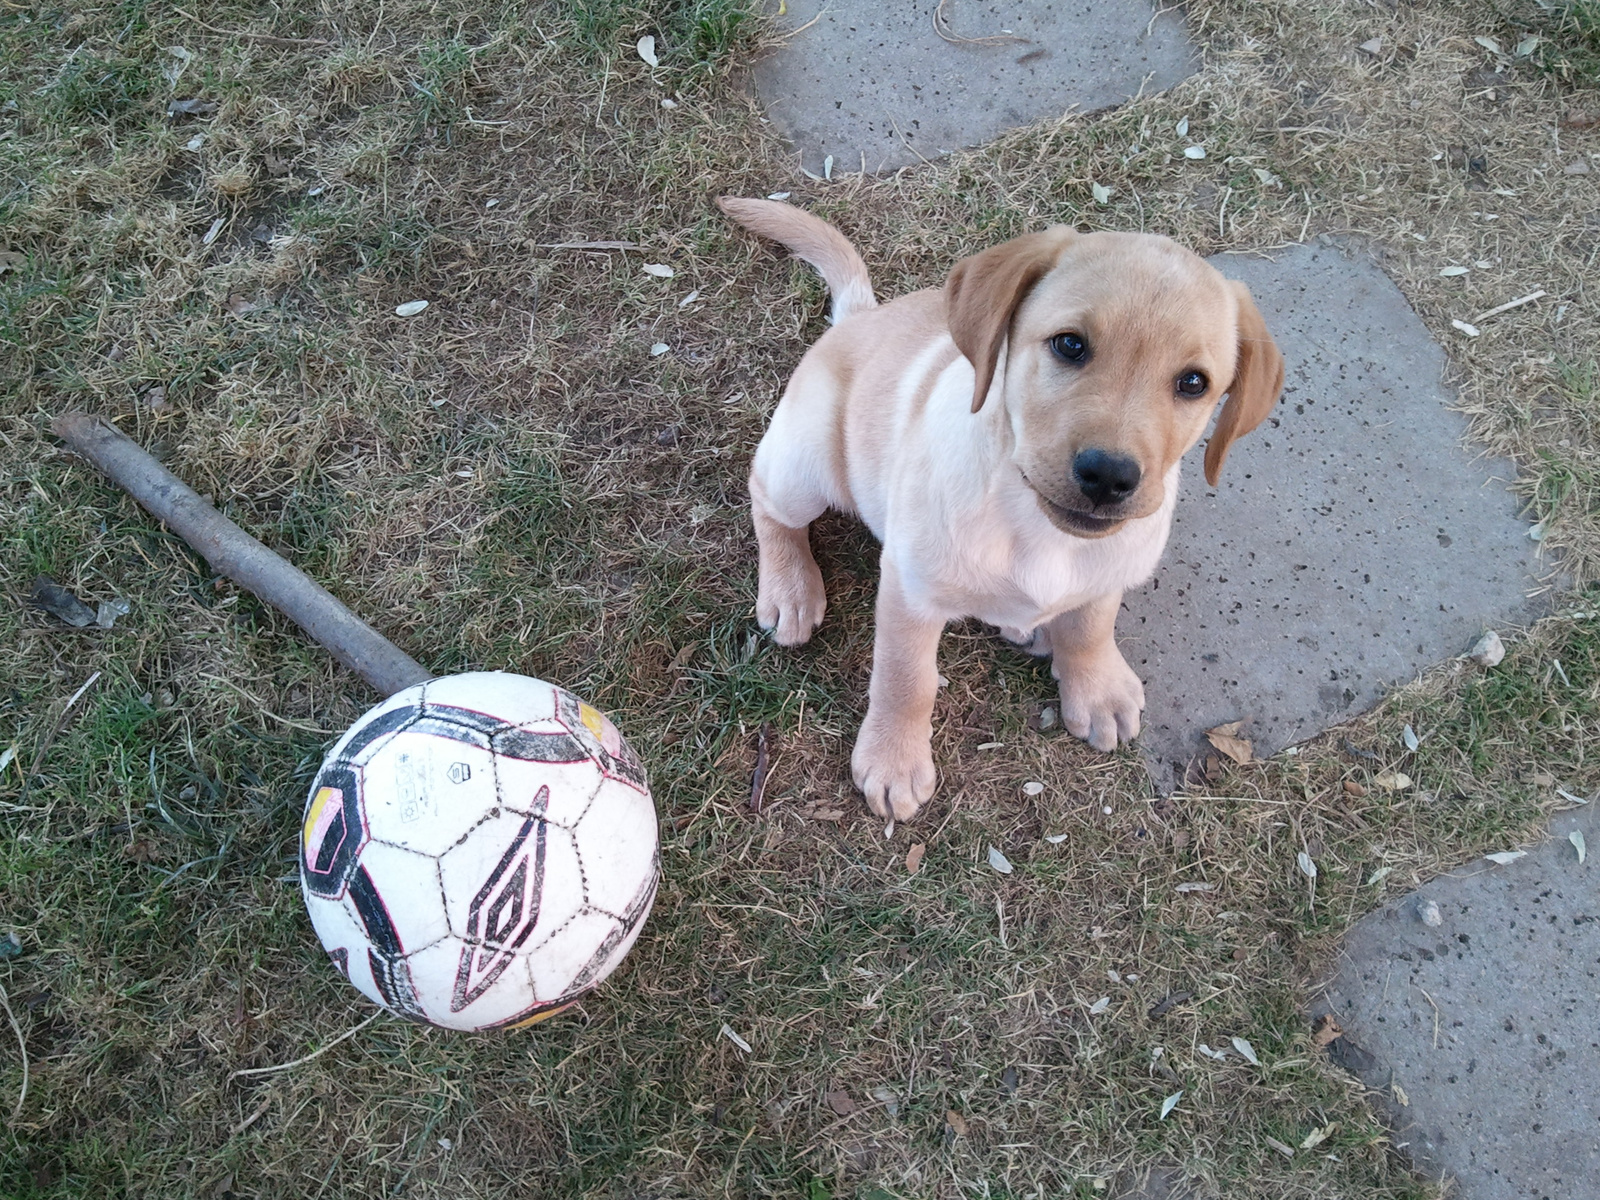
(758, 782)
(22, 1049)
(941, 26)
(305, 1058)
(270, 39)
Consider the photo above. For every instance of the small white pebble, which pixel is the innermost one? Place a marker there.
(490, 203)
(1033, 788)
(659, 349)
(668, 102)
(1428, 911)
(1106, 810)
(1195, 152)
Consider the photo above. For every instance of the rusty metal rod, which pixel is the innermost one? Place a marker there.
(234, 553)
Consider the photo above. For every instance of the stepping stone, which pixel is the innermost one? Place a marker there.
(1354, 540)
(874, 86)
(1498, 1068)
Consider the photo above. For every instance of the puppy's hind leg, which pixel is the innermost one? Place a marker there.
(790, 599)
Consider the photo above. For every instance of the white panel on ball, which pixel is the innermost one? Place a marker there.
(424, 791)
(408, 884)
(556, 960)
(498, 694)
(617, 842)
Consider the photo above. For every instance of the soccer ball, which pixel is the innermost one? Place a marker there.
(479, 851)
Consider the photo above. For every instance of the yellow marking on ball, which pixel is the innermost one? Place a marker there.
(544, 1016)
(594, 720)
(314, 810)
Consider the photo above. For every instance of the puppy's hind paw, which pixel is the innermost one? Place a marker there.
(790, 603)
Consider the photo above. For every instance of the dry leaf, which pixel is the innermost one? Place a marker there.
(1400, 1094)
(957, 1122)
(1267, 178)
(914, 857)
(1352, 788)
(1182, 127)
(1099, 1006)
(1196, 887)
(211, 234)
(841, 1103)
(1055, 839)
(410, 308)
(1246, 1051)
(1469, 330)
(12, 260)
(646, 46)
(238, 305)
(999, 861)
(1286, 1151)
(1316, 1137)
(1170, 1103)
(1393, 781)
(727, 1032)
(660, 348)
(888, 1099)
(689, 299)
(1449, 272)
(1489, 43)
(659, 270)
(1307, 867)
(1373, 46)
(777, 195)
(1576, 838)
(1219, 1055)
(1502, 857)
(1195, 152)
(1409, 736)
(1325, 1030)
(1226, 739)
(1102, 194)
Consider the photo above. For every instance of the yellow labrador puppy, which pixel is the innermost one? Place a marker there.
(1013, 441)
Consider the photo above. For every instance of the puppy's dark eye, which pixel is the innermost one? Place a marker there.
(1070, 347)
(1192, 383)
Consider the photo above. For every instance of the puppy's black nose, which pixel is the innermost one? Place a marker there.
(1105, 478)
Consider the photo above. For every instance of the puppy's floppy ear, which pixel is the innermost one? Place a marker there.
(983, 292)
(1257, 382)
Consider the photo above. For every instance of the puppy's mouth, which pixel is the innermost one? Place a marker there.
(1074, 521)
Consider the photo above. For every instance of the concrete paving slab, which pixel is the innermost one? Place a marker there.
(1354, 539)
(873, 85)
(1488, 1023)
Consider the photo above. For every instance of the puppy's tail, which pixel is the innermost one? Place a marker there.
(813, 240)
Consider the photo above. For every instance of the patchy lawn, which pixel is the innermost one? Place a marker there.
(513, 480)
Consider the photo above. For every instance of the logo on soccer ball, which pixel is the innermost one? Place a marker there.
(504, 911)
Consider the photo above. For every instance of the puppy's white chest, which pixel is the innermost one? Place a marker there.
(1012, 568)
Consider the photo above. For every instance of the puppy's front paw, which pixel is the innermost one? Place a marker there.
(1101, 699)
(791, 599)
(893, 768)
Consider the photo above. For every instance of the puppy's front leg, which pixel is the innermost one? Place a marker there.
(1101, 697)
(893, 758)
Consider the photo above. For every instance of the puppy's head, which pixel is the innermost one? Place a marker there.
(1118, 347)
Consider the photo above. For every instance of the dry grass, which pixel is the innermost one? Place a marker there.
(512, 480)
